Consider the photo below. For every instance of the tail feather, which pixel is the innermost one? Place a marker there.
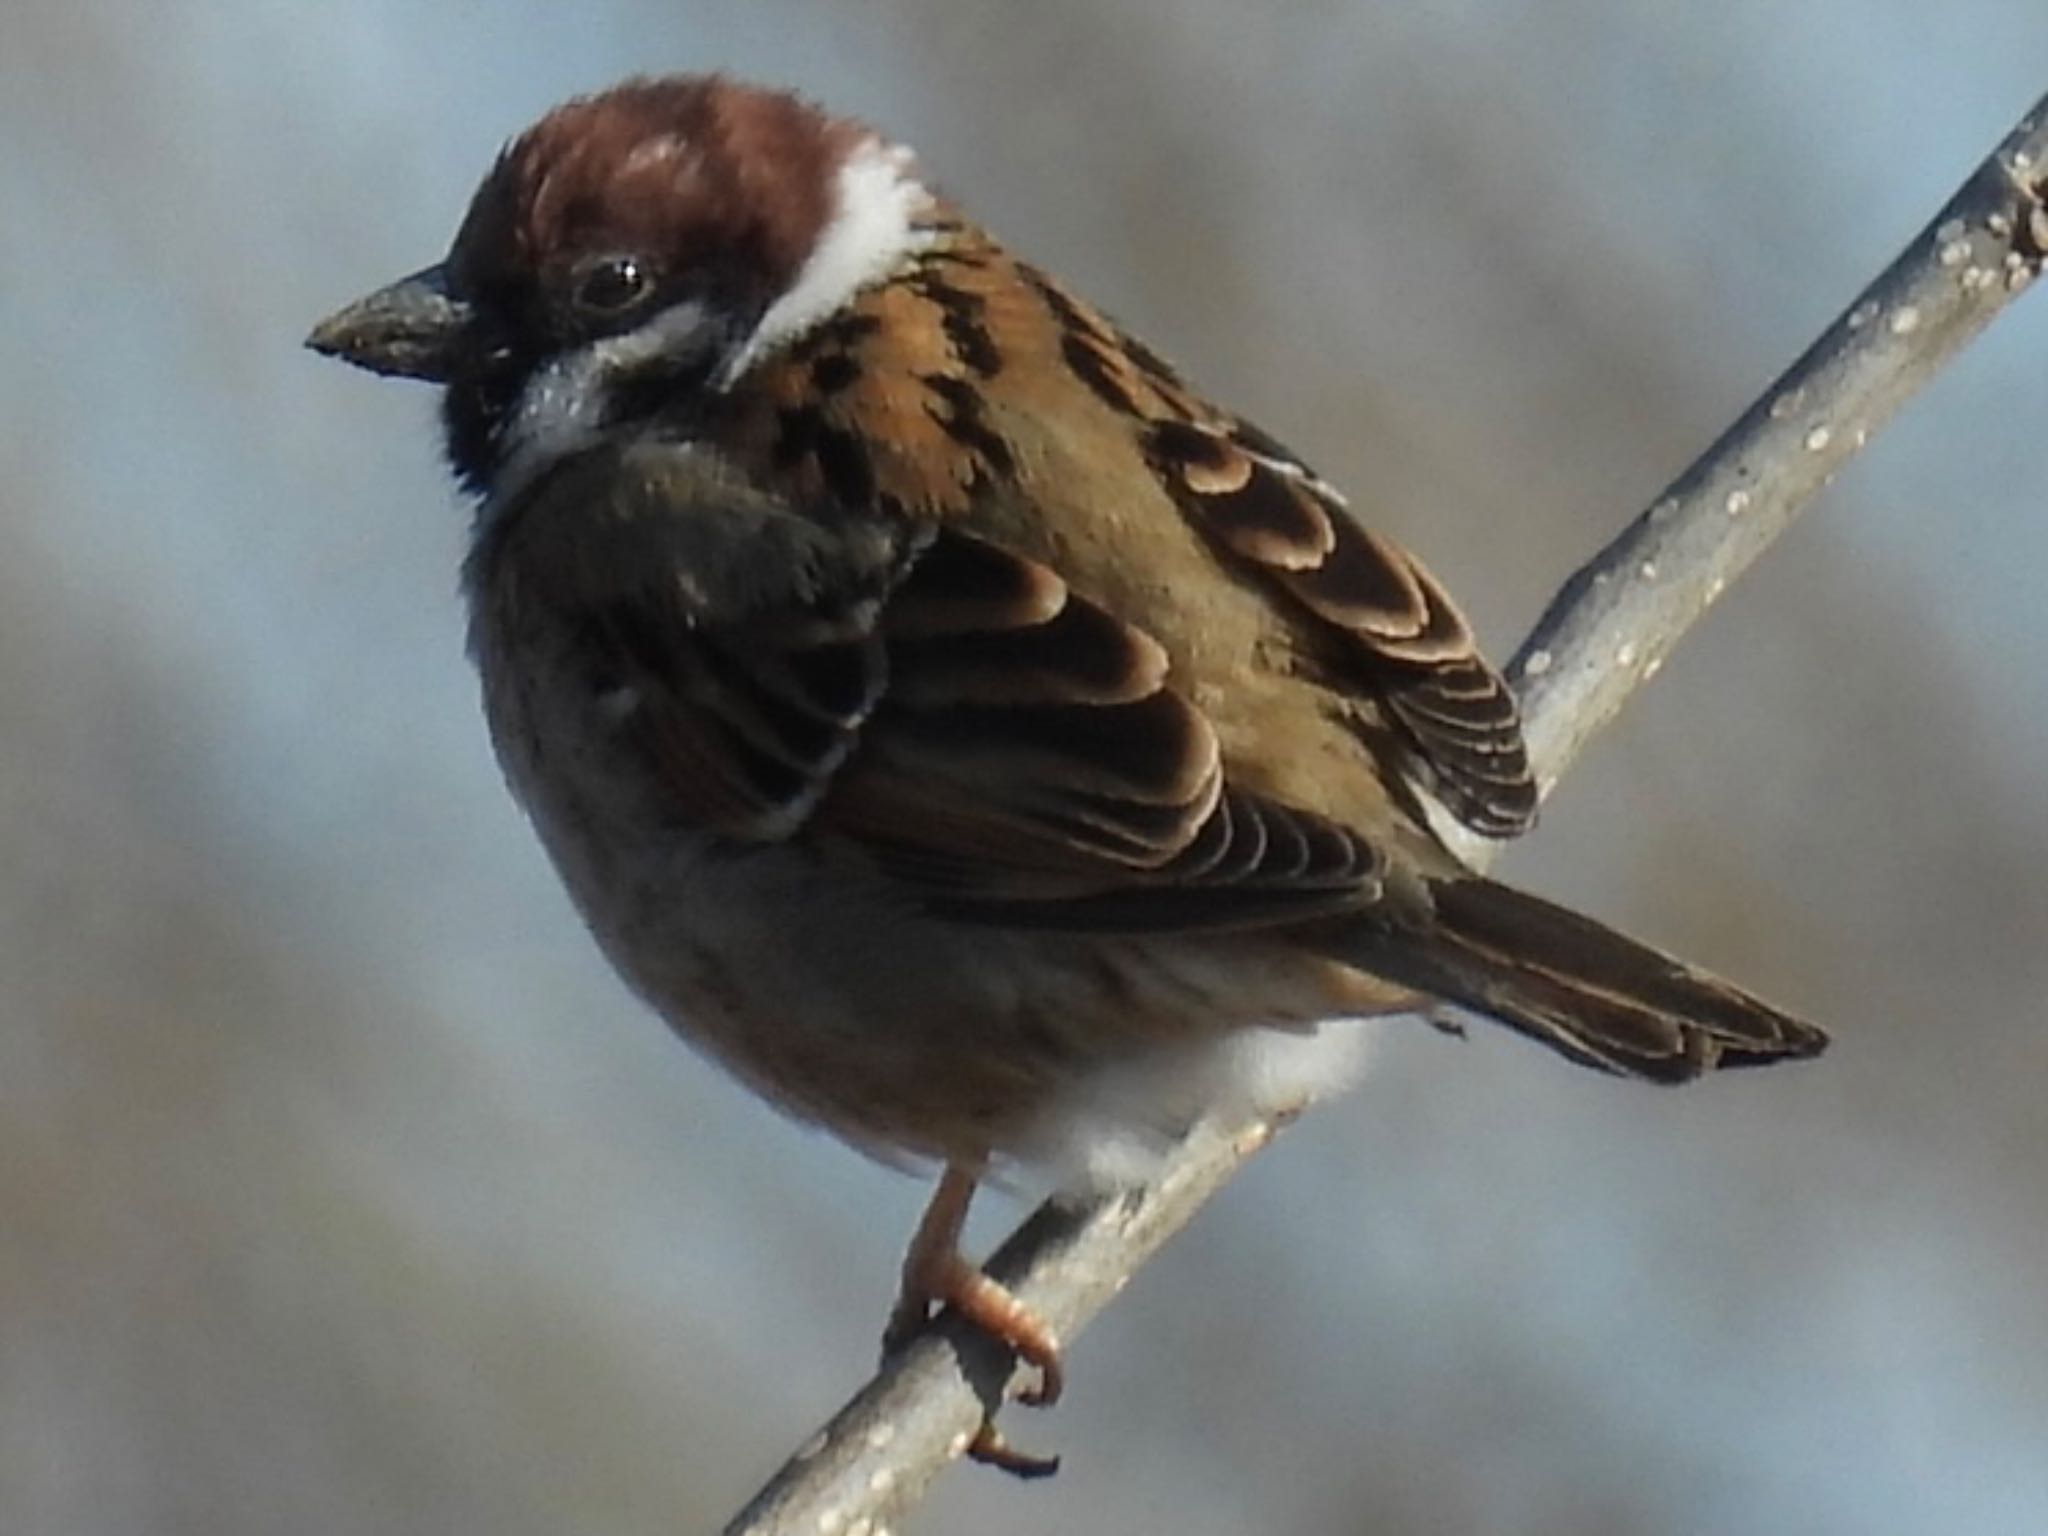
(1583, 989)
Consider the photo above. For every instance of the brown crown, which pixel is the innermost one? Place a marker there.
(700, 171)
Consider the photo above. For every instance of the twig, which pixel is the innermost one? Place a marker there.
(1611, 625)
(1605, 634)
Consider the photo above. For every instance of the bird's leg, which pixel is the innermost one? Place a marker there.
(935, 1273)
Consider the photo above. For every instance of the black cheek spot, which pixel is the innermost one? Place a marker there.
(660, 388)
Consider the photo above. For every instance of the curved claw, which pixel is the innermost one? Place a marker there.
(990, 1449)
(996, 1311)
(936, 1274)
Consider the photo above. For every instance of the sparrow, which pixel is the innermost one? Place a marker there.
(975, 739)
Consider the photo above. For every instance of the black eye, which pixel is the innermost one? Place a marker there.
(610, 285)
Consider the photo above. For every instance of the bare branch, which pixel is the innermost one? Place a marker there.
(1605, 634)
(1614, 621)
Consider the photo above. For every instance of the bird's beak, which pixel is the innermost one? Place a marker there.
(412, 329)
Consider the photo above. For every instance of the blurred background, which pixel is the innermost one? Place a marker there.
(343, 1190)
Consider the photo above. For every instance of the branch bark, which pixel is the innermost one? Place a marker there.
(1604, 635)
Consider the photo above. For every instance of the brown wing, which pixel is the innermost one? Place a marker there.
(928, 364)
(912, 696)
(1407, 640)
(1030, 763)
(1395, 630)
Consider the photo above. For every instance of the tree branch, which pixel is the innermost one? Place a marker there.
(1605, 634)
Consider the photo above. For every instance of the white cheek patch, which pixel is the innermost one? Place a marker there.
(567, 402)
(873, 229)
(558, 413)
